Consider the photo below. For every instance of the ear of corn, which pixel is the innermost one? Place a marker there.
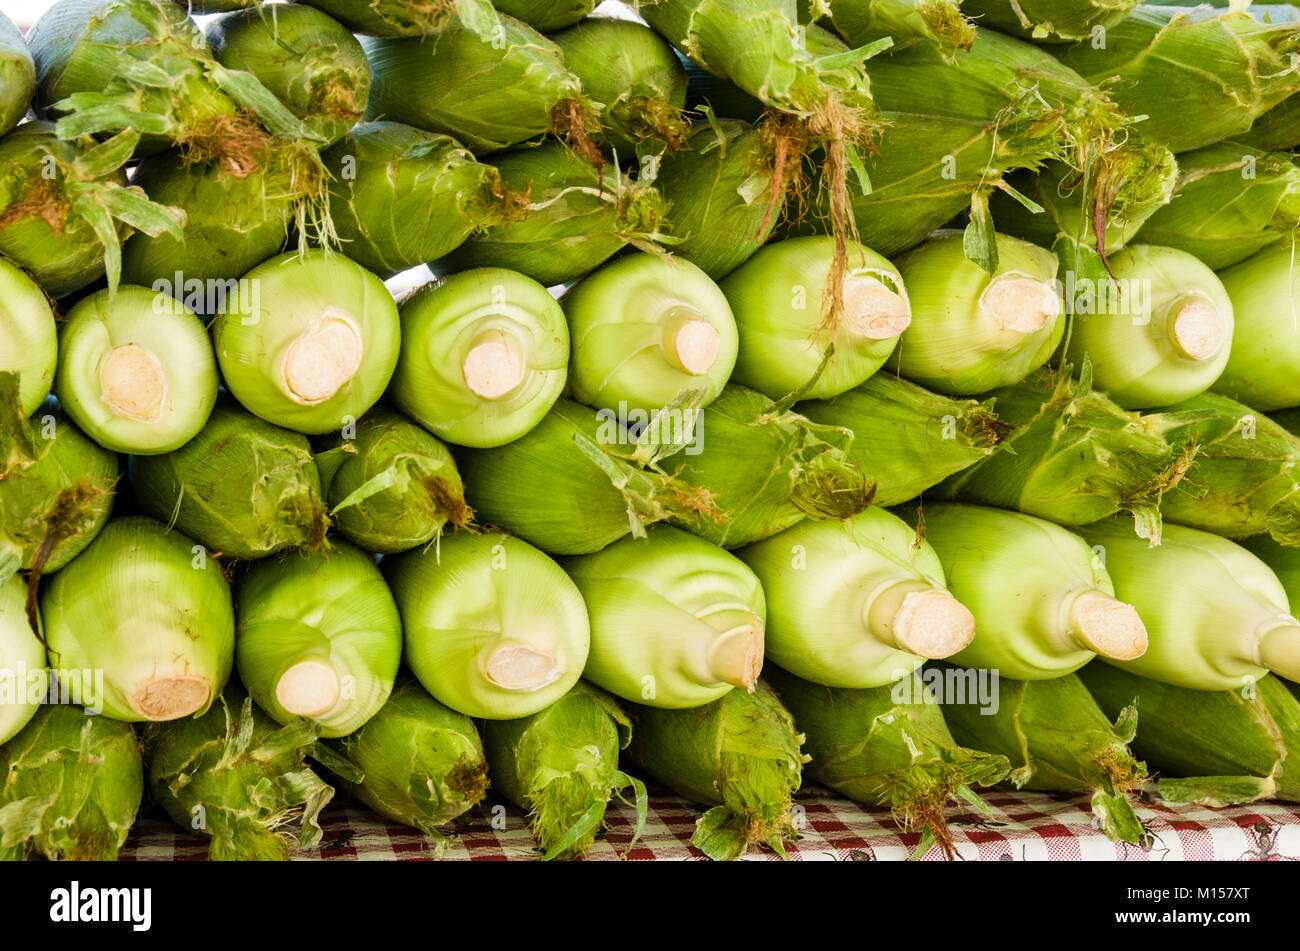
(547, 15)
(1277, 130)
(1159, 334)
(560, 765)
(939, 22)
(1265, 289)
(1225, 630)
(907, 439)
(393, 487)
(521, 88)
(764, 468)
(889, 746)
(675, 621)
(1050, 21)
(740, 755)
(1031, 624)
(1228, 70)
(577, 217)
(1056, 738)
(1214, 748)
(411, 17)
(856, 603)
(71, 787)
(310, 62)
(401, 197)
(1230, 201)
(416, 762)
(242, 487)
(247, 778)
(56, 488)
(17, 75)
(725, 194)
(29, 338)
(22, 661)
(67, 230)
(1075, 458)
(1245, 477)
(636, 78)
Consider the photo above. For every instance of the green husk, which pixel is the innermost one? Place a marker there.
(1198, 76)
(56, 488)
(1230, 201)
(488, 91)
(1265, 293)
(636, 78)
(547, 15)
(561, 766)
(410, 17)
(65, 207)
(952, 130)
(1245, 477)
(72, 785)
(310, 62)
(577, 217)
(17, 75)
(392, 486)
(594, 493)
(889, 746)
(448, 325)
(231, 224)
(29, 343)
(415, 762)
(235, 776)
(1057, 739)
(726, 192)
(112, 65)
(740, 755)
(241, 487)
(401, 197)
(1277, 130)
(1075, 457)
(907, 439)
(1050, 21)
(939, 22)
(1212, 748)
(23, 675)
(764, 467)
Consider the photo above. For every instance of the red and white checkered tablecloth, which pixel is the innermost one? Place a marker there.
(1025, 826)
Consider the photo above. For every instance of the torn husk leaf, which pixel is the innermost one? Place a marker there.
(568, 486)
(907, 439)
(764, 469)
(739, 755)
(241, 487)
(889, 746)
(233, 775)
(1055, 737)
(577, 217)
(70, 787)
(65, 207)
(1076, 456)
(1050, 21)
(415, 762)
(561, 766)
(401, 197)
(56, 488)
(393, 486)
(1212, 748)
(1245, 477)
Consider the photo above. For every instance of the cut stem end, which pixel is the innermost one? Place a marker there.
(737, 654)
(522, 668)
(691, 342)
(872, 310)
(494, 366)
(171, 698)
(932, 623)
(1108, 626)
(1279, 649)
(308, 689)
(323, 358)
(133, 383)
(1197, 330)
(1020, 303)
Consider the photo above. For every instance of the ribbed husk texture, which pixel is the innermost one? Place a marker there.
(939, 22)
(401, 197)
(422, 763)
(741, 756)
(1050, 21)
(907, 439)
(236, 777)
(561, 767)
(1057, 739)
(889, 746)
(1212, 748)
(71, 787)
(547, 15)
(17, 75)
(412, 17)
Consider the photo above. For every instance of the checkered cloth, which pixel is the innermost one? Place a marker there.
(1024, 826)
